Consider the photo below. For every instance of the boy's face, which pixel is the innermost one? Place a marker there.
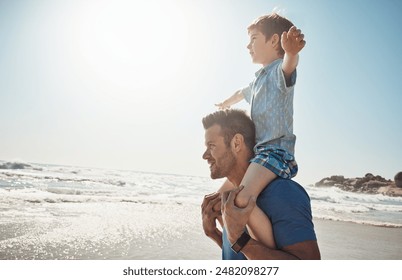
(261, 50)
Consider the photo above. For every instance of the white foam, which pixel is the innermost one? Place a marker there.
(49, 184)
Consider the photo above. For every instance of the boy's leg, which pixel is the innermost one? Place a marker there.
(260, 228)
(227, 186)
(257, 177)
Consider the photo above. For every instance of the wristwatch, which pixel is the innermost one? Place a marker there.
(241, 242)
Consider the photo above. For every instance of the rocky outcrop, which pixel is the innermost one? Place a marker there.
(368, 184)
(398, 179)
(14, 165)
(18, 165)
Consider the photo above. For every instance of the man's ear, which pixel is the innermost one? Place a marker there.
(237, 142)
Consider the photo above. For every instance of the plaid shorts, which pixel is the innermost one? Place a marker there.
(277, 160)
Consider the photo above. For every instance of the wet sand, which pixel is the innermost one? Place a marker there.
(337, 241)
(350, 241)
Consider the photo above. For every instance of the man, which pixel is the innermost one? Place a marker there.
(229, 139)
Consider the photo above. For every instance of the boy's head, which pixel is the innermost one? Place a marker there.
(270, 25)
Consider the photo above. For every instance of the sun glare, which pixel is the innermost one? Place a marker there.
(124, 47)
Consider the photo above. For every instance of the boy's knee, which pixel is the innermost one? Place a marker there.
(242, 199)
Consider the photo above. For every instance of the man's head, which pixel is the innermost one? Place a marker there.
(229, 140)
(265, 38)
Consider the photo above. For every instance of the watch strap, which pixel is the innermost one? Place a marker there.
(241, 242)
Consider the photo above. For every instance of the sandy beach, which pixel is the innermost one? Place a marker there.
(337, 241)
(351, 241)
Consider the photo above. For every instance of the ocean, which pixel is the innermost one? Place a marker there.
(66, 212)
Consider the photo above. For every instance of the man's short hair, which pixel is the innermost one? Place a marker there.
(232, 121)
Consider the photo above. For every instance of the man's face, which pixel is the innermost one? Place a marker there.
(220, 157)
(260, 49)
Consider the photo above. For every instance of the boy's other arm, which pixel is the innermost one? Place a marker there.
(235, 98)
(292, 43)
(226, 186)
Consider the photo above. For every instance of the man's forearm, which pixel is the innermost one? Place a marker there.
(216, 236)
(306, 250)
(255, 250)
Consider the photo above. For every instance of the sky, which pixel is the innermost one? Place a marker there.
(124, 84)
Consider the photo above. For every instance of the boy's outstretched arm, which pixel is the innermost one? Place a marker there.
(235, 98)
(292, 43)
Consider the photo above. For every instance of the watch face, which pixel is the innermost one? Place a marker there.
(236, 247)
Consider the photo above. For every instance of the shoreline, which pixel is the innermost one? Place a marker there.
(372, 224)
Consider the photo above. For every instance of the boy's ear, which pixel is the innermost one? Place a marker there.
(275, 39)
(237, 142)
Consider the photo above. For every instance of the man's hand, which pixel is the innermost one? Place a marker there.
(235, 218)
(209, 216)
(292, 41)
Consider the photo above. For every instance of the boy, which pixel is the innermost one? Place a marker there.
(275, 44)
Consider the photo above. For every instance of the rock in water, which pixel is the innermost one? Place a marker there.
(368, 184)
(398, 179)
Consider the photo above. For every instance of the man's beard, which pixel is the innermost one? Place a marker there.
(223, 166)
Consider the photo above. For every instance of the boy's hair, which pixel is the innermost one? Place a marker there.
(271, 24)
(232, 121)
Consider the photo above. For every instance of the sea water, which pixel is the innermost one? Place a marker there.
(65, 212)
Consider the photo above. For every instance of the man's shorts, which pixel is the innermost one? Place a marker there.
(278, 160)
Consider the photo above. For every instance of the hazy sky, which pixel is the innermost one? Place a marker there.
(124, 84)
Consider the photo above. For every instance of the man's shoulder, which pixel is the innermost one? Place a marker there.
(280, 182)
(283, 187)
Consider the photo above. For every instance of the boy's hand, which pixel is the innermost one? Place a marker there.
(222, 106)
(293, 41)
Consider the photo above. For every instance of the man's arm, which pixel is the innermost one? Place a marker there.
(209, 217)
(235, 219)
(306, 250)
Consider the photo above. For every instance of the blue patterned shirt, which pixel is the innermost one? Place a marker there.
(271, 102)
